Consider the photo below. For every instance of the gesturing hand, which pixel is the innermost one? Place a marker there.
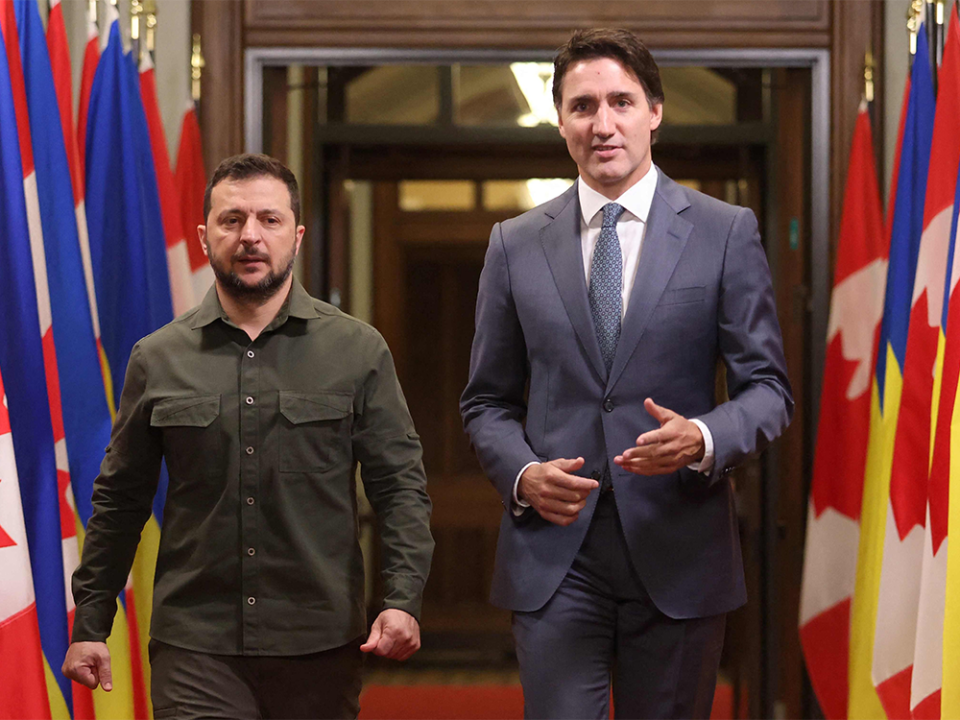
(676, 444)
(553, 492)
(88, 663)
(395, 634)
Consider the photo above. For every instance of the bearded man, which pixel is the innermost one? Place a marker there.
(261, 400)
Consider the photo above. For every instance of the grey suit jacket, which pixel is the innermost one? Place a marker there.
(538, 390)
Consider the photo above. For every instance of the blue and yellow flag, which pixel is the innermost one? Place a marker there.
(887, 386)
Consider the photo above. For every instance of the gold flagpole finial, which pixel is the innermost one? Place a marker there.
(150, 25)
(913, 23)
(869, 65)
(196, 68)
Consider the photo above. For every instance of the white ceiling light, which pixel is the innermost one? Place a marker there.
(536, 83)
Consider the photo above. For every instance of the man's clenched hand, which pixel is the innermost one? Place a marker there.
(556, 494)
(395, 634)
(88, 663)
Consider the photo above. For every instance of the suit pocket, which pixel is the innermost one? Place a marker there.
(684, 296)
(315, 431)
(192, 440)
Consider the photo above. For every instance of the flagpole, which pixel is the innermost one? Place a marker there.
(931, 27)
(150, 27)
(913, 26)
(197, 63)
(137, 46)
(941, 30)
(869, 90)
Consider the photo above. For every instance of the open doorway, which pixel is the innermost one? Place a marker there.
(407, 162)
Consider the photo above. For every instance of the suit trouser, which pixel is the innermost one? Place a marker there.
(189, 685)
(601, 626)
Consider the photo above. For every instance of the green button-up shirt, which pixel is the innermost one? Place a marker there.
(259, 551)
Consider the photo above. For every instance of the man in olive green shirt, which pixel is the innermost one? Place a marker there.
(262, 401)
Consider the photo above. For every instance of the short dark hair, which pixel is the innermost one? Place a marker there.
(246, 166)
(615, 43)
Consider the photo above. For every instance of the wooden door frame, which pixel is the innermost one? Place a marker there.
(256, 60)
(816, 187)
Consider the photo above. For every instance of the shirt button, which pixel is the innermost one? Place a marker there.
(249, 451)
(250, 501)
(250, 353)
(251, 552)
(249, 400)
(251, 601)
(608, 405)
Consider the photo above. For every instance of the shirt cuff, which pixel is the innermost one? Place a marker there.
(706, 464)
(518, 505)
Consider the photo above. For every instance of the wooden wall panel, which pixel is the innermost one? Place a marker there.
(856, 26)
(534, 23)
(543, 12)
(517, 37)
(220, 24)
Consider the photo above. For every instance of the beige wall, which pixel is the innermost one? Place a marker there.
(896, 64)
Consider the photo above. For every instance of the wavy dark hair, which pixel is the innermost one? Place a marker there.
(246, 166)
(615, 43)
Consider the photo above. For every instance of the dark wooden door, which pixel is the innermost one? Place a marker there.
(426, 272)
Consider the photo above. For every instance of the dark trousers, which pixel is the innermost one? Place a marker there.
(601, 627)
(189, 685)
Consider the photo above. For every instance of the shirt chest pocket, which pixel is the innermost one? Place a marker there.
(192, 442)
(315, 431)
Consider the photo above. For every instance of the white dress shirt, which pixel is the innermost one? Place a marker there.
(631, 228)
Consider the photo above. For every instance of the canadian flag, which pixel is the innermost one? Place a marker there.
(20, 653)
(833, 524)
(178, 258)
(191, 182)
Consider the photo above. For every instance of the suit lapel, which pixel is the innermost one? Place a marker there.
(561, 244)
(663, 242)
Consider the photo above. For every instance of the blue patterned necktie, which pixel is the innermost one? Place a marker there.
(606, 284)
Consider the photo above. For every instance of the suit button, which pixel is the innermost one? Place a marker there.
(608, 405)
(596, 475)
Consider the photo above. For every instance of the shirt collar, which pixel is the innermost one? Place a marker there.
(298, 304)
(636, 200)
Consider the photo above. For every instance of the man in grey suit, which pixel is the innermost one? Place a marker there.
(591, 405)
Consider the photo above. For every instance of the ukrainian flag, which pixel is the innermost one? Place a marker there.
(888, 382)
